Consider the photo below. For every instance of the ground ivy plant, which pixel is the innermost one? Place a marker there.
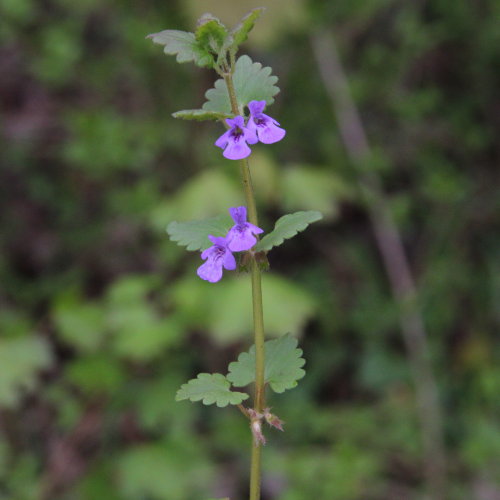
(233, 241)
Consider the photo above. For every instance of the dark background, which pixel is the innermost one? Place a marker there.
(102, 318)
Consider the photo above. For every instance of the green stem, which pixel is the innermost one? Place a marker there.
(255, 470)
(228, 78)
(258, 316)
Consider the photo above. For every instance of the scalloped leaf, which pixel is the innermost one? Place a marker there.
(283, 365)
(21, 358)
(251, 82)
(210, 33)
(241, 30)
(184, 45)
(210, 388)
(287, 227)
(194, 234)
(200, 115)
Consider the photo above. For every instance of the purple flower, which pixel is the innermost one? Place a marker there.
(264, 126)
(234, 141)
(217, 257)
(241, 235)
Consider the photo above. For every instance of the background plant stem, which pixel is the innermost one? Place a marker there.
(258, 315)
(395, 261)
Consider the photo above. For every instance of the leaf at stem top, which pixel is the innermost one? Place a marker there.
(184, 45)
(241, 30)
(286, 227)
(200, 115)
(211, 388)
(283, 365)
(251, 82)
(194, 234)
(210, 33)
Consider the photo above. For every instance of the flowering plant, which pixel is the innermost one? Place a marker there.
(244, 85)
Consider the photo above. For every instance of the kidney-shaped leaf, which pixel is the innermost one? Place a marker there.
(211, 388)
(283, 365)
(251, 82)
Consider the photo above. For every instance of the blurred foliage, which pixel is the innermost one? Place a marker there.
(102, 318)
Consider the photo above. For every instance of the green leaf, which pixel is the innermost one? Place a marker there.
(211, 388)
(251, 82)
(200, 115)
(184, 45)
(158, 471)
(96, 374)
(241, 30)
(283, 365)
(307, 187)
(286, 227)
(138, 330)
(194, 234)
(287, 306)
(210, 33)
(80, 324)
(204, 195)
(21, 359)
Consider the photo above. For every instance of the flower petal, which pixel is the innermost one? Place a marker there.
(241, 239)
(268, 132)
(211, 270)
(236, 150)
(237, 121)
(218, 240)
(250, 133)
(239, 214)
(229, 261)
(222, 141)
(207, 252)
(254, 228)
(256, 107)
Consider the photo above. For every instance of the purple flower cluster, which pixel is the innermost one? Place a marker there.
(238, 239)
(259, 127)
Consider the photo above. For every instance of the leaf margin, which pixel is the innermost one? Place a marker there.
(219, 225)
(183, 45)
(274, 238)
(248, 357)
(217, 97)
(233, 397)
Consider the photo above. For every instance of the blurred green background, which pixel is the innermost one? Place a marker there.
(102, 318)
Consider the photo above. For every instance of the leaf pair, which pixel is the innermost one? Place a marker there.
(194, 234)
(282, 370)
(210, 44)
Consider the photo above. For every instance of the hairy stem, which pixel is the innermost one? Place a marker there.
(258, 316)
(395, 261)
